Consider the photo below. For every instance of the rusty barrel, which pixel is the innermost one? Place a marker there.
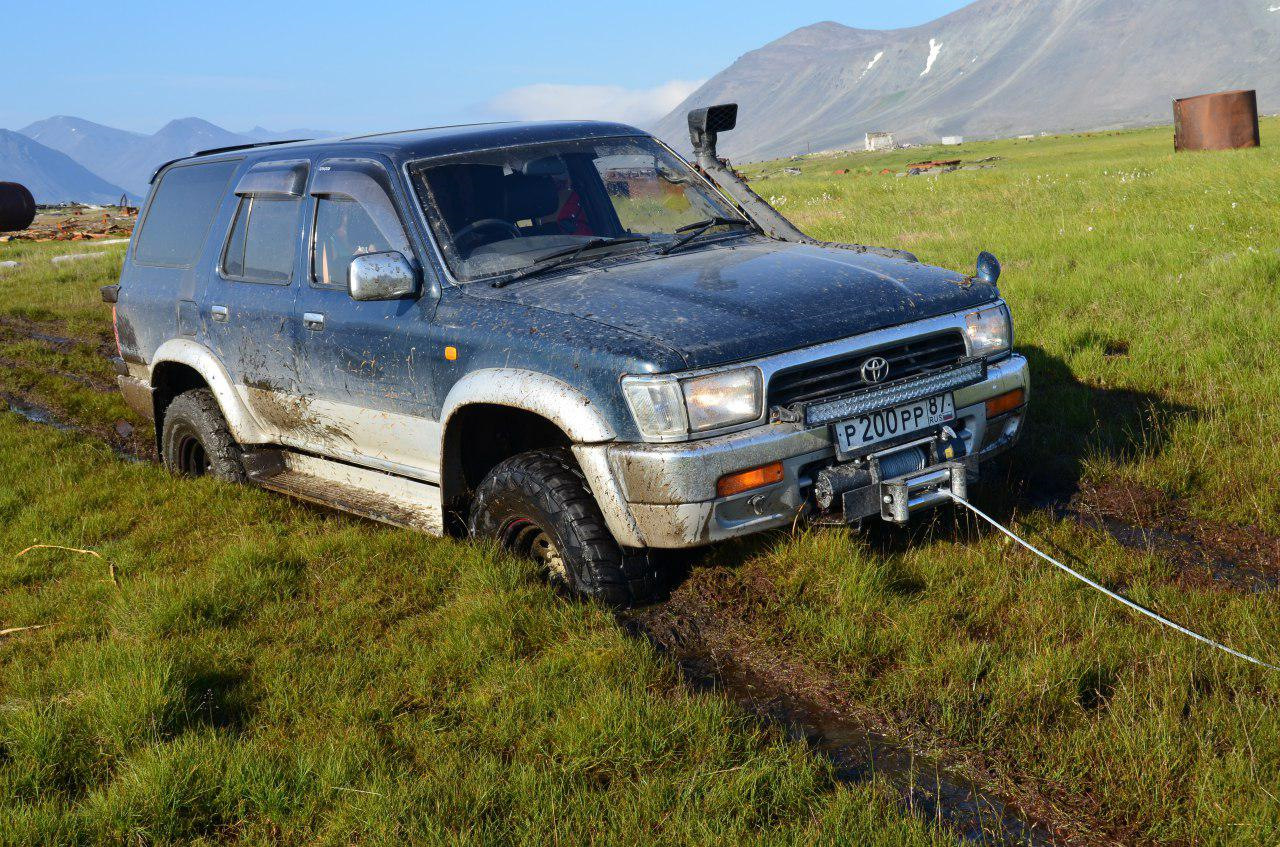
(17, 207)
(1222, 121)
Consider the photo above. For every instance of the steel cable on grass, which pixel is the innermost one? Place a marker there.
(1113, 595)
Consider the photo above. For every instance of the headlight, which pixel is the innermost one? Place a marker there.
(667, 408)
(722, 399)
(989, 331)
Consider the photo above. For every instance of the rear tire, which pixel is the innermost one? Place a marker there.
(537, 504)
(195, 439)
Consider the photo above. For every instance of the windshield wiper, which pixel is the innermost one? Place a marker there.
(564, 257)
(698, 228)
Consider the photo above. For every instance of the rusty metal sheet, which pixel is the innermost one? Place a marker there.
(1223, 121)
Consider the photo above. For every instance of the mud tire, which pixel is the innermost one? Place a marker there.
(195, 440)
(546, 489)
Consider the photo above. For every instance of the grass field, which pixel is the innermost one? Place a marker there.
(259, 671)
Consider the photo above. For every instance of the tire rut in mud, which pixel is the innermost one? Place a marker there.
(923, 787)
(706, 632)
(123, 439)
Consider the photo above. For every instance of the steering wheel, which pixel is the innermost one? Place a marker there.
(474, 232)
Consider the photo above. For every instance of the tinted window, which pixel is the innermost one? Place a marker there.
(344, 229)
(263, 240)
(181, 212)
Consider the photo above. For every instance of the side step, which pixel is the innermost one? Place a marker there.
(371, 494)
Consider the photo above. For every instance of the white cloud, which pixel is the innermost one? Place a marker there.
(548, 101)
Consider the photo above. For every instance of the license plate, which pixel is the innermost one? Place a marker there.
(872, 428)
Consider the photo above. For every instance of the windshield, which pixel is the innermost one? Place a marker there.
(501, 211)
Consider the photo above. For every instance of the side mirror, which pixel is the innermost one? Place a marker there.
(381, 276)
(988, 268)
(707, 122)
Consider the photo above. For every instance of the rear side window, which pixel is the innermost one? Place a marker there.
(264, 240)
(181, 212)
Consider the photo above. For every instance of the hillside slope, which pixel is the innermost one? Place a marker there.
(51, 176)
(993, 68)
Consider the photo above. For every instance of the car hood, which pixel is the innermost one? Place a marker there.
(739, 300)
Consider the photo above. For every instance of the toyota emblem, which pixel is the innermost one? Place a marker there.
(875, 369)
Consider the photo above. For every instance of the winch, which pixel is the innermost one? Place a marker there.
(895, 482)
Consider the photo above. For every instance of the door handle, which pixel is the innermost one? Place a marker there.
(313, 321)
(219, 313)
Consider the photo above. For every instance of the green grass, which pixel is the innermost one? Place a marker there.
(263, 672)
(260, 663)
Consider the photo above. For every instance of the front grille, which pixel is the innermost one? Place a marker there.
(833, 377)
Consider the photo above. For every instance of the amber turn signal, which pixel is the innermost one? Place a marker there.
(1006, 402)
(740, 481)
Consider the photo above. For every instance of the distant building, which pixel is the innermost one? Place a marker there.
(952, 140)
(879, 141)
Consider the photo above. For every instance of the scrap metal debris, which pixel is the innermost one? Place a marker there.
(933, 167)
(1225, 120)
(78, 223)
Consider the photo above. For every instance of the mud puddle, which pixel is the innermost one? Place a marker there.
(123, 444)
(1205, 554)
(29, 329)
(1243, 559)
(859, 753)
(37, 414)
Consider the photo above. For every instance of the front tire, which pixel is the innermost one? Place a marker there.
(195, 439)
(537, 504)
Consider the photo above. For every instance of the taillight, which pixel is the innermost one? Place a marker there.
(115, 331)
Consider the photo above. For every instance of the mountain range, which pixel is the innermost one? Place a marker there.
(64, 158)
(51, 176)
(995, 68)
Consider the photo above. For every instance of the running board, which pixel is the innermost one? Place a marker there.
(371, 494)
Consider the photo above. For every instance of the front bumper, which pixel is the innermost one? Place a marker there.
(664, 495)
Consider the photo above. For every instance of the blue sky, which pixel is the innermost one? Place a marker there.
(380, 64)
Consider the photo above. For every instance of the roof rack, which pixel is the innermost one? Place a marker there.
(226, 149)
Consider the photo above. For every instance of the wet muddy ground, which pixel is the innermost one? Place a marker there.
(858, 750)
(128, 439)
(1205, 554)
(705, 626)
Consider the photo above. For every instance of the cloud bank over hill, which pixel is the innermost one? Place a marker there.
(548, 101)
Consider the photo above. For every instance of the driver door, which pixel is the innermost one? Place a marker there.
(363, 366)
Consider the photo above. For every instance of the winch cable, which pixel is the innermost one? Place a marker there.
(1113, 595)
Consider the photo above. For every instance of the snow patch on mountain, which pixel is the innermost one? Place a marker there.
(871, 64)
(935, 47)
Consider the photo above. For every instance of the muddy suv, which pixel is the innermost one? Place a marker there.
(559, 335)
